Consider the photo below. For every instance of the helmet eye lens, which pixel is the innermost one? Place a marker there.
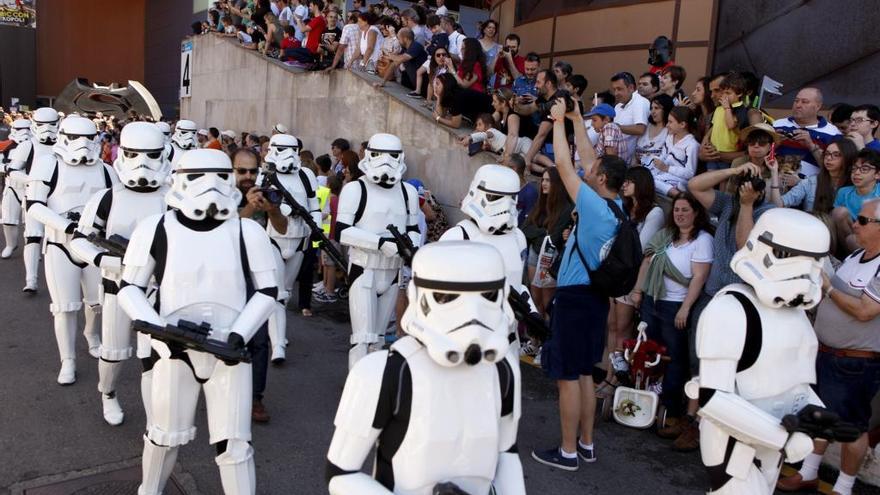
(223, 176)
(193, 176)
(445, 297)
(493, 197)
(781, 254)
(129, 154)
(491, 295)
(394, 155)
(153, 155)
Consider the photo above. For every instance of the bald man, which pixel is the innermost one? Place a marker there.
(806, 134)
(413, 56)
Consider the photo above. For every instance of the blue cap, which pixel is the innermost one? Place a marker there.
(416, 183)
(603, 109)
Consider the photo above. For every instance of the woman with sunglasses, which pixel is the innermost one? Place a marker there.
(816, 193)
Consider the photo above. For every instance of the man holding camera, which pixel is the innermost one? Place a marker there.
(510, 64)
(542, 145)
(255, 206)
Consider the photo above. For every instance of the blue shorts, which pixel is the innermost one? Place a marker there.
(717, 165)
(578, 330)
(847, 385)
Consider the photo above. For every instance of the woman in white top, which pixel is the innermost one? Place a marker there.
(678, 163)
(638, 202)
(671, 279)
(371, 41)
(650, 144)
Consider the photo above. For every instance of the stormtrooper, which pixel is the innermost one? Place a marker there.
(165, 129)
(230, 293)
(58, 188)
(183, 139)
(142, 171)
(302, 185)
(366, 207)
(452, 373)
(44, 130)
(490, 206)
(757, 353)
(13, 191)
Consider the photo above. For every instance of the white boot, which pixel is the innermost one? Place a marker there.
(67, 375)
(279, 354)
(146, 391)
(157, 464)
(10, 232)
(277, 333)
(31, 257)
(90, 331)
(65, 337)
(355, 354)
(108, 376)
(237, 473)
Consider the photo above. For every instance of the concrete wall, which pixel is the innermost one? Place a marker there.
(238, 89)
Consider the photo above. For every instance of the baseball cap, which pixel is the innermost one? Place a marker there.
(228, 133)
(603, 109)
(280, 128)
(203, 132)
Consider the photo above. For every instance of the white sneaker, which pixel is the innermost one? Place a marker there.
(318, 286)
(67, 376)
(7, 251)
(279, 354)
(113, 414)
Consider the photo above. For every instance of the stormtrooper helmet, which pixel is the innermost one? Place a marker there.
(782, 259)
(141, 162)
(383, 160)
(459, 308)
(284, 153)
(491, 199)
(44, 125)
(660, 52)
(21, 131)
(185, 134)
(165, 129)
(204, 186)
(77, 144)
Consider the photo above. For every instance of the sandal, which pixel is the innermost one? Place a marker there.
(605, 389)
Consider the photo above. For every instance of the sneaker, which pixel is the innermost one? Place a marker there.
(689, 440)
(553, 458)
(529, 349)
(588, 455)
(414, 94)
(318, 286)
(324, 298)
(673, 429)
(537, 359)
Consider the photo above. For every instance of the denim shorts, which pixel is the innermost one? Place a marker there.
(717, 165)
(577, 326)
(847, 385)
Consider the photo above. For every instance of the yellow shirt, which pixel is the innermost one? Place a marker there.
(722, 138)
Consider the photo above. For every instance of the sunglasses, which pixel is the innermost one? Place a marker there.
(246, 171)
(865, 220)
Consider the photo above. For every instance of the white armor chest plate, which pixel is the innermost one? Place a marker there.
(129, 207)
(178, 153)
(75, 185)
(384, 207)
(786, 337)
(507, 244)
(453, 430)
(41, 149)
(296, 227)
(199, 287)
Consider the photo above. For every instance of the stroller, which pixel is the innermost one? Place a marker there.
(637, 398)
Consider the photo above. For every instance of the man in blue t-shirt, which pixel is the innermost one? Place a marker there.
(865, 177)
(580, 315)
(413, 56)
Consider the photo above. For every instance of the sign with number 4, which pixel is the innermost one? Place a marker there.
(185, 69)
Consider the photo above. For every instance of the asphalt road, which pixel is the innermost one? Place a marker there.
(57, 433)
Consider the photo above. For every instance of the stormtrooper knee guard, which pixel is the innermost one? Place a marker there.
(157, 463)
(235, 460)
(91, 331)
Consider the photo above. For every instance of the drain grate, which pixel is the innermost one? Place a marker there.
(117, 482)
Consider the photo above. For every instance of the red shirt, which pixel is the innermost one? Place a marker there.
(334, 204)
(313, 37)
(479, 84)
(658, 70)
(503, 77)
(289, 42)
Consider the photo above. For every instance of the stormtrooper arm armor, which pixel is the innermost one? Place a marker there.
(139, 266)
(412, 220)
(37, 196)
(350, 234)
(91, 222)
(355, 435)
(509, 474)
(313, 203)
(15, 168)
(720, 348)
(262, 273)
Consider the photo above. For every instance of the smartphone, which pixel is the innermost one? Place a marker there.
(772, 151)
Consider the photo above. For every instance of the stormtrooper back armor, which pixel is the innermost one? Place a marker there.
(233, 290)
(758, 365)
(467, 408)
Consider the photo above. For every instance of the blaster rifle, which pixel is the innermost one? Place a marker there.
(818, 422)
(536, 327)
(405, 247)
(300, 211)
(194, 336)
(115, 244)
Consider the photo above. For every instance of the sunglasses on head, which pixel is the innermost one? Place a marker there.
(862, 220)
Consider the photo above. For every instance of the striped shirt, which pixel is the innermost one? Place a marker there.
(822, 133)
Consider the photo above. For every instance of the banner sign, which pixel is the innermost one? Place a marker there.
(21, 13)
(186, 49)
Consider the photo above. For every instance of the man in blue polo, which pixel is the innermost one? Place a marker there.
(579, 315)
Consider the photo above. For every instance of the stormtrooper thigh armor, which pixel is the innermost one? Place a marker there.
(452, 373)
(373, 260)
(757, 353)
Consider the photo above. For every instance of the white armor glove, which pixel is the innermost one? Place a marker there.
(388, 248)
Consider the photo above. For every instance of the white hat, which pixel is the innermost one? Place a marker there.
(228, 133)
(280, 128)
(203, 132)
